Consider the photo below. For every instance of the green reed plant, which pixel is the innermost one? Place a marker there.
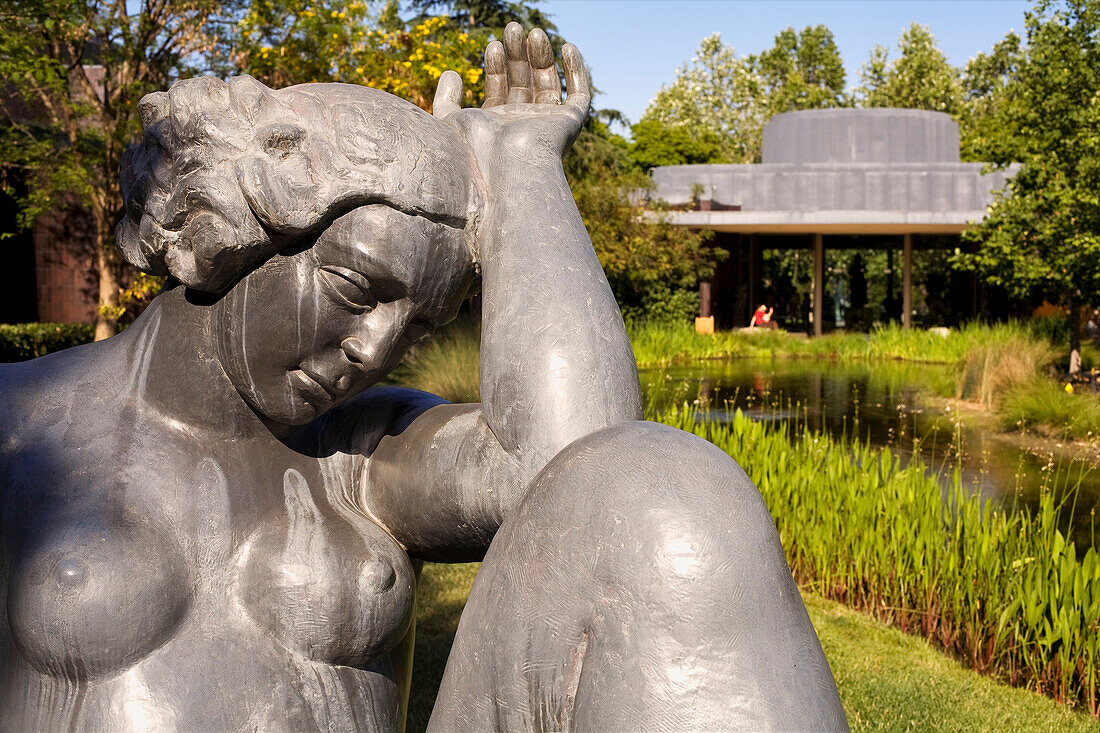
(1003, 590)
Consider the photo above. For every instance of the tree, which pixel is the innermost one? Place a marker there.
(656, 143)
(1042, 237)
(76, 72)
(920, 78)
(284, 42)
(984, 81)
(719, 95)
(486, 14)
(724, 98)
(802, 70)
(652, 266)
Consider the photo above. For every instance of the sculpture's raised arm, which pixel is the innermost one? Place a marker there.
(556, 363)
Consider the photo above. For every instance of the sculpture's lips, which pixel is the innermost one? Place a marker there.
(312, 389)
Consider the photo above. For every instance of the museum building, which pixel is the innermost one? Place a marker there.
(834, 179)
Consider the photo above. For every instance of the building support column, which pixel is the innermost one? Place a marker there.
(704, 298)
(754, 272)
(907, 281)
(819, 283)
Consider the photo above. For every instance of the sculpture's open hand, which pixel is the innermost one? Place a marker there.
(523, 111)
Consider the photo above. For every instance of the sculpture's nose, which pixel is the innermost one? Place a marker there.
(153, 108)
(379, 337)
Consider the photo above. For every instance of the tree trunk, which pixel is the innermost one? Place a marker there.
(109, 266)
(1074, 322)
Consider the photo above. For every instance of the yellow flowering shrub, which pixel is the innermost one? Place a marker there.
(284, 42)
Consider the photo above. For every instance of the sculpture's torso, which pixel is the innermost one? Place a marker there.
(147, 589)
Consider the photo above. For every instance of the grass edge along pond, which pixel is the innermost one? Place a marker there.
(661, 344)
(888, 680)
(1003, 367)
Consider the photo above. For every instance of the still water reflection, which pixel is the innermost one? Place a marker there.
(885, 404)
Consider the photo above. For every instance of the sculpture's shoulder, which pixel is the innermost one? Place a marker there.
(23, 385)
(51, 392)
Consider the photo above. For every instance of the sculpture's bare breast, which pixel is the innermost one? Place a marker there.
(154, 590)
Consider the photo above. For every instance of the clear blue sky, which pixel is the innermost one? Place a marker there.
(634, 46)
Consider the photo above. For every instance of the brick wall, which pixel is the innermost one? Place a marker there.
(65, 267)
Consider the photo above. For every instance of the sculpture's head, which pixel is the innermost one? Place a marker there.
(328, 226)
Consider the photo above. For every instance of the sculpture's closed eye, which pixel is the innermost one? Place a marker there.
(348, 288)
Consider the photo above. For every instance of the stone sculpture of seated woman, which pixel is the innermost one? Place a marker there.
(210, 522)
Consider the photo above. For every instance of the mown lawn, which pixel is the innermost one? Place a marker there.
(888, 681)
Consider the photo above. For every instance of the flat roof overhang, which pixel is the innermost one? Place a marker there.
(828, 222)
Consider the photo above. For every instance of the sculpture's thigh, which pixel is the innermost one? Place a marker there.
(639, 586)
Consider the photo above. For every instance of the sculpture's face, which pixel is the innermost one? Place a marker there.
(308, 330)
(230, 173)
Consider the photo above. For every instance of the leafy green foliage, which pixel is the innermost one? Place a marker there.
(1044, 406)
(919, 78)
(485, 14)
(657, 344)
(22, 341)
(284, 42)
(803, 70)
(1042, 238)
(722, 98)
(984, 80)
(995, 367)
(718, 95)
(658, 143)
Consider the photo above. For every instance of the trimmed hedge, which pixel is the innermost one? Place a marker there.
(22, 341)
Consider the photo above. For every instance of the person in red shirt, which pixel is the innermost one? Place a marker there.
(761, 317)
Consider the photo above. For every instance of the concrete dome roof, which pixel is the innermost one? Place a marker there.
(852, 135)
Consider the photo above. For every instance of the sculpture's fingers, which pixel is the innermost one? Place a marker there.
(547, 86)
(577, 92)
(448, 94)
(496, 78)
(519, 68)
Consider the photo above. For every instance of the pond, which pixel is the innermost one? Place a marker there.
(885, 404)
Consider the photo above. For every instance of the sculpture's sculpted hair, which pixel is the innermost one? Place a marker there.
(230, 172)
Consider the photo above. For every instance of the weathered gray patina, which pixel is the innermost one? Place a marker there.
(209, 522)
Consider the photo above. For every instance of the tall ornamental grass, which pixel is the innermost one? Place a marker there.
(446, 364)
(1003, 590)
(991, 369)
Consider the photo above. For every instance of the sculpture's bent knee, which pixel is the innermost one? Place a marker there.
(639, 585)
